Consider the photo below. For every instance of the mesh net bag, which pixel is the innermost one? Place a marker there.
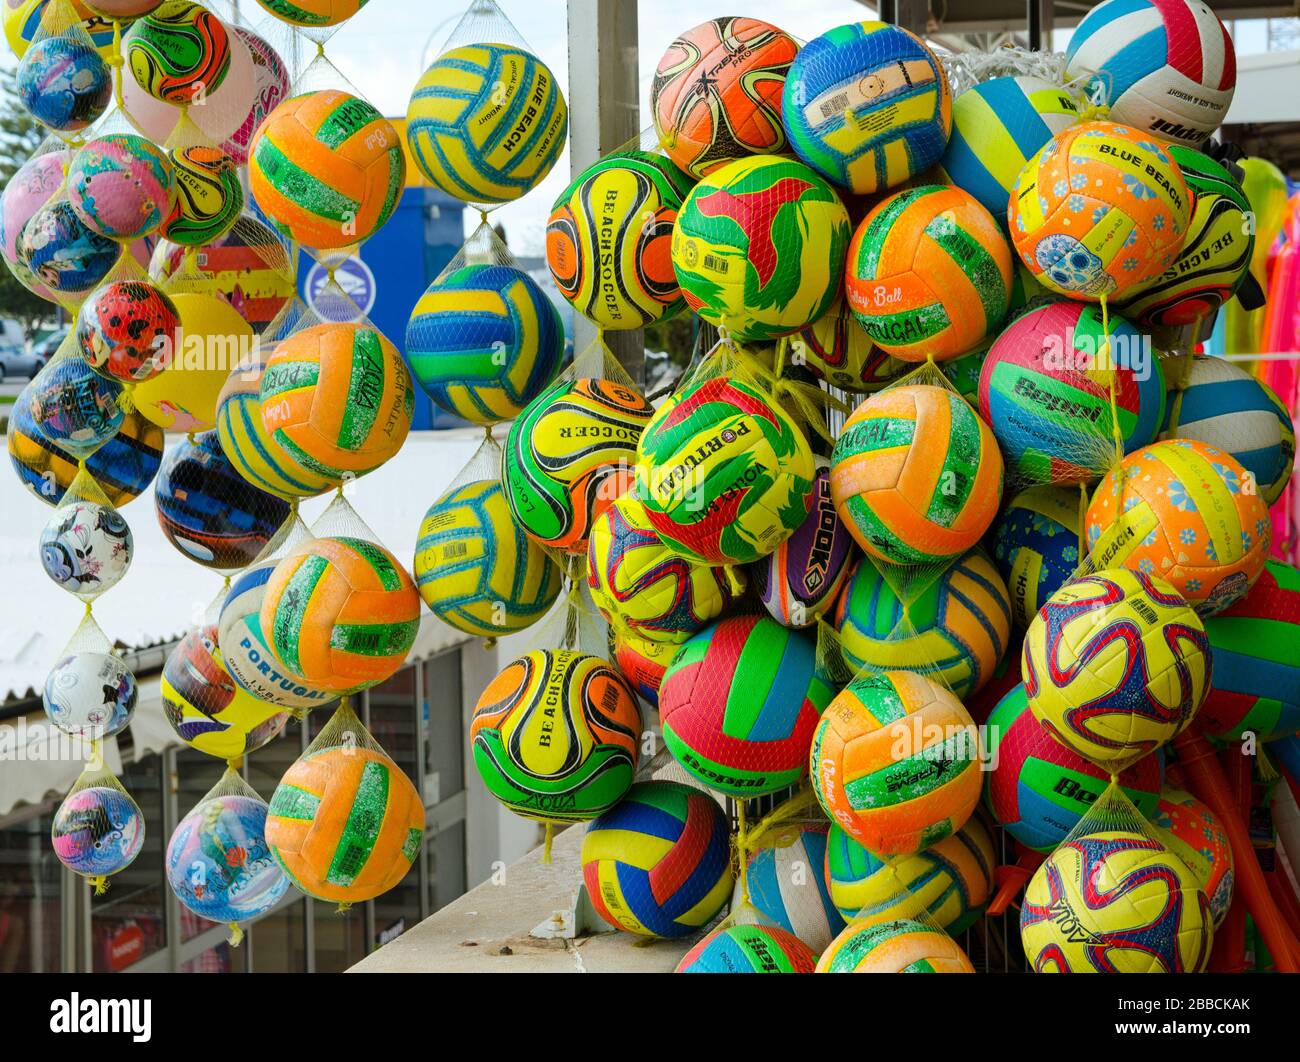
(99, 829)
(90, 693)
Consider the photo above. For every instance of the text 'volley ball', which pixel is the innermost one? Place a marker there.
(758, 247)
(486, 122)
(748, 949)
(903, 946)
(178, 53)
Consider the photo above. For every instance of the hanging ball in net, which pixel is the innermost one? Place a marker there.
(128, 330)
(25, 22)
(642, 663)
(74, 407)
(29, 189)
(123, 11)
(658, 864)
(1036, 546)
(484, 341)
(178, 53)
(56, 253)
(313, 14)
(758, 247)
(748, 949)
(97, 830)
(1194, 834)
(486, 122)
(86, 547)
(902, 946)
(90, 694)
(121, 186)
(270, 87)
(1184, 512)
(916, 475)
(64, 83)
(476, 569)
(209, 197)
(837, 349)
(787, 889)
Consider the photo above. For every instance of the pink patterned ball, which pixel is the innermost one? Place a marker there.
(271, 85)
(121, 186)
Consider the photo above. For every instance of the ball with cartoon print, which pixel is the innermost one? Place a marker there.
(58, 256)
(121, 186)
(86, 548)
(178, 53)
(209, 197)
(90, 694)
(97, 831)
(29, 189)
(64, 83)
(75, 407)
(128, 330)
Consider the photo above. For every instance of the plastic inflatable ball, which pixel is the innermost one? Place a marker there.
(1045, 389)
(345, 824)
(86, 548)
(484, 341)
(868, 105)
(64, 83)
(1115, 665)
(178, 53)
(1180, 510)
(90, 695)
(658, 863)
(642, 663)
(1038, 789)
(57, 255)
(313, 14)
(569, 455)
(609, 239)
(928, 274)
(97, 831)
(476, 569)
(955, 630)
(642, 586)
(340, 612)
(270, 87)
(338, 399)
(218, 863)
(916, 475)
(128, 330)
(206, 708)
(1098, 211)
(1191, 832)
(1166, 68)
(74, 407)
(327, 169)
(121, 186)
(716, 94)
(787, 889)
(748, 949)
(24, 22)
(556, 736)
(903, 946)
(486, 122)
(1115, 902)
(837, 349)
(758, 246)
(123, 11)
(739, 704)
(1036, 546)
(209, 197)
(724, 473)
(29, 189)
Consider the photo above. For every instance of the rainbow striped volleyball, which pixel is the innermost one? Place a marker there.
(486, 122)
(868, 105)
(902, 946)
(484, 341)
(748, 949)
(788, 890)
(659, 863)
(1036, 546)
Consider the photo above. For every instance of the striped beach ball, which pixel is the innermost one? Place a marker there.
(484, 341)
(837, 349)
(326, 168)
(955, 631)
(1179, 510)
(178, 53)
(486, 122)
(868, 105)
(1166, 67)
(748, 949)
(896, 762)
(1045, 388)
(338, 399)
(555, 736)
(340, 612)
(739, 704)
(476, 569)
(1224, 406)
(641, 662)
(788, 890)
(916, 475)
(903, 946)
(658, 864)
(1036, 546)
(950, 882)
(928, 273)
(997, 127)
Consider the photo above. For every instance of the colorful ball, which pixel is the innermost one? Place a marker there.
(1279, 485)
(716, 94)
(1192, 832)
(1036, 546)
(1179, 510)
(837, 349)
(916, 475)
(345, 824)
(956, 630)
(724, 473)
(788, 891)
(642, 663)
(121, 186)
(928, 273)
(121, 10)
(327, 169)
(658, 864)
(59, 254)
(997, 127)
(486, 122)
(218, 863)
(27, 191)
(609, 239)
(98, 830)
(91, 695)
(1045, 388)
(903, 946)
(209, 197)
(271, 86)
(1101, 209)
(209, 512)
(86, 548)
(748, 949)
(758, 245)
(64, 83)
(484, 341)
(178, 53)
(25, 21)
(1115, 665)
(476, 569)
(1038, 789)
(129, 330)
(739, 704)
(341, 612)
(868, 105)
(205, 706)
(1166, 67)
(338, 399)
(313, 14)
(1115, 902)
(74, 407)
(568, 455)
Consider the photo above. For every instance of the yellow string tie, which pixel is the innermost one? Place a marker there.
(344, 907)
(99, 883)
(742, 852)
(236, 937)
(1083, 515)
(1112, 371)
(547, 841)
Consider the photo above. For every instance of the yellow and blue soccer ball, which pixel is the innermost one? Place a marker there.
(1036, 546)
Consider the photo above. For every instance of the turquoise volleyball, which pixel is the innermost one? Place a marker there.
(484, 341)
